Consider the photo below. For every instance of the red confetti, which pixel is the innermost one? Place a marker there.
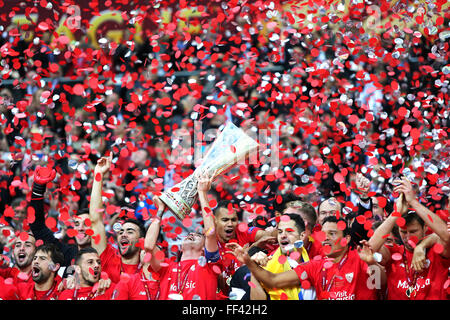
(159, 255)
(243, 227)
(78, 89)
(397, 256)
(341, 225)
(305, 284)
(72, 233)
(23, 276)
(438, 248)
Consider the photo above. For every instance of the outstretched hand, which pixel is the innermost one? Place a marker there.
(366, 252)
(239, 252)
(44, 175)
(362, 185)
(103, 165)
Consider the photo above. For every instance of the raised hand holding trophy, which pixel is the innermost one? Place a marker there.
(231, 146)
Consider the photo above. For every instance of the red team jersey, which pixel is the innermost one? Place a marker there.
(14, 274)
(428, 285)
(137, 288)
(28, 292)
(113, 266)
(346, 280)
(230, 263)
(189, 279)
(314, 248)
(8, 291)
(86, 294)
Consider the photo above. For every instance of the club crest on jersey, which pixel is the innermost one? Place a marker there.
(349, 277)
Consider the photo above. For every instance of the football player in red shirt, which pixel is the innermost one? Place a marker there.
(404, 281)
(23, 252)
(127, 260)
(8, 291)
(144, 285)
(44, 272)
(195, 275)
(227, 228)
(341, 275)
(88, 271)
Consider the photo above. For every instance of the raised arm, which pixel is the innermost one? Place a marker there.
(362, 187)
(432, 220)
(96, 203)
(204, 184)
(269, 232)
(41, 177)
(151, 237)
(419, 256)
(379, 236)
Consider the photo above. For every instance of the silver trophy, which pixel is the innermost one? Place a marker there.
(231, 146)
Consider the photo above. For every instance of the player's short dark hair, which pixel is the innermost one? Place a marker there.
(299, 223)
(83, 211)
(225, 204)
(83, 252)
(138, 223)
(334, 219)
(410, 216)
(55, 254)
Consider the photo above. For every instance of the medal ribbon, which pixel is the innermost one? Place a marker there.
(49, 292)
(89, 297)
(411, 282)
(324, 274)
(147, 290)
(181, 288)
